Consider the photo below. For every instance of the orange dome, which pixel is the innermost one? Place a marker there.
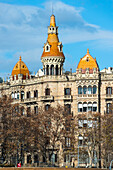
(53, 41)
(20, 68)
(88, 62)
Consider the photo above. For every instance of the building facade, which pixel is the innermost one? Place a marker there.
(86, 90)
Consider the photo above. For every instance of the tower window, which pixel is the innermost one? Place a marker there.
(47, 48)
(87, 59)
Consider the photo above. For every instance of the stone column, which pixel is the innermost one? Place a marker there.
(49, 69)
(58, 69)
(54, 69)
(45, 69)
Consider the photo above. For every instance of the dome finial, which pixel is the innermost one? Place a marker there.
(20, 58)
(87, 50)
(52, 21)
(52, 8)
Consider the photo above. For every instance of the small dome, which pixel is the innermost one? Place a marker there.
(88, 62)
(20, 68)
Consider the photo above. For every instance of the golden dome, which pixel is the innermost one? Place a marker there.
(20, 68)
(53, 41)
(88, 62)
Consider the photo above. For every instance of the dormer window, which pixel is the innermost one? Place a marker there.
(87, 59)
(47, 47)
(60, 47)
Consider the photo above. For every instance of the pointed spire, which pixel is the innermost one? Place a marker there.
(52, 21)
(88, 51)
(20, 59)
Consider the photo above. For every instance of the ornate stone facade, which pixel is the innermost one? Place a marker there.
(86, 90)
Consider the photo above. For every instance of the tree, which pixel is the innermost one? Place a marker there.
(89, 126)
(50, 133)
(51, 128)
(14, 130)
(107, 137)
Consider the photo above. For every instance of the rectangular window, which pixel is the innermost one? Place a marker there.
(35, 109)
(28, 111)
(67, 108)
(67, 142)
(47, 92)
(28, 95)
(109, 90)
(109, 109)
(67, 91)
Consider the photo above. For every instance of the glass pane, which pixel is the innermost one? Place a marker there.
(94, 89)
(84, 90)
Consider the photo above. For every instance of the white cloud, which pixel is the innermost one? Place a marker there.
(23, 31)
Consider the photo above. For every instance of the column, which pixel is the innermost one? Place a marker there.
(49, 69)
(54, 69)
(45, 69)
(58, 69)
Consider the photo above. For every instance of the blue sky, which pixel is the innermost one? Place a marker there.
(82, 24)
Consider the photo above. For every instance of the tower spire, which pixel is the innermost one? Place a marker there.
(52, 21)
(52, 8)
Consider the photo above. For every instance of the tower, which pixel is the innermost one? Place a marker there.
(52, 56)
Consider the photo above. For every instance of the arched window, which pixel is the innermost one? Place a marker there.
(95, 107)
(47, 71)
(79, 90)
(80, 140)
(52, 69)
(15, 95)
(84, 90)
(80, 107)
(109, 109)
(47, 48)
(84, 107)
(28, 94)
(18, 95)
(22, 95)
(47, 106)
(56, 69)
(89, 106)
(89, 90)
(94, 89)
(12, 95)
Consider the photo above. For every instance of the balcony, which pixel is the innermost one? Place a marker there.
(30, 100)
(109, 96)
(47, 98)
(87, 95)
(67, 97)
